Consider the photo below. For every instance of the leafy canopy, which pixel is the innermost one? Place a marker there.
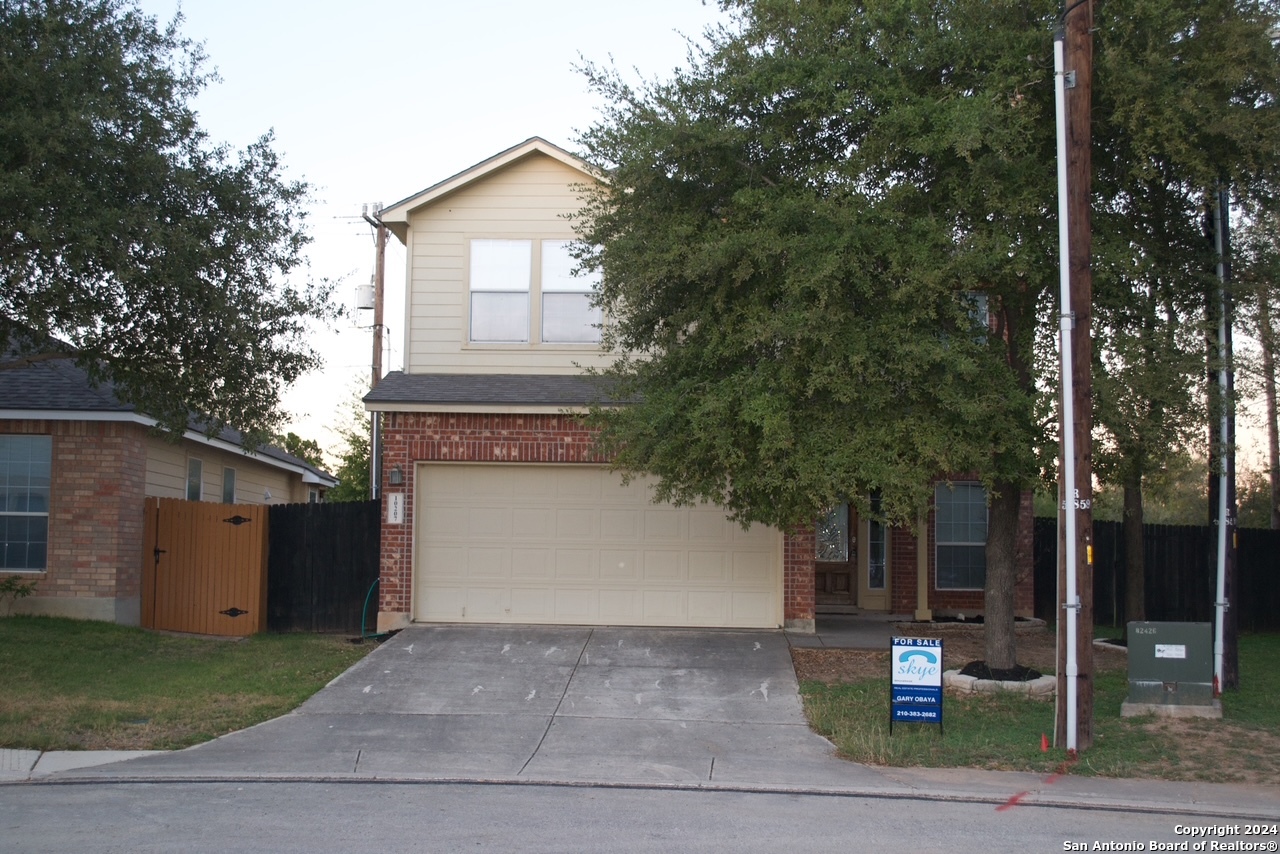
(353, 466)
(804, 239)
(1185, 98)
(795, 226)
(160, 258)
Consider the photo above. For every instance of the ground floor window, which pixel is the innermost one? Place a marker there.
(195, 479)
(877, 547)
(228, 485)
(960, 530)
(25, 475)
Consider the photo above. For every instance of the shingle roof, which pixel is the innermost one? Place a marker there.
(490, 389)
(59, 385)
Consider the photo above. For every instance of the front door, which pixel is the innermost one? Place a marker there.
(836, 561)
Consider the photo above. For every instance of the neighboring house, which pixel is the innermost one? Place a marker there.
(496, 510)
(75, 467)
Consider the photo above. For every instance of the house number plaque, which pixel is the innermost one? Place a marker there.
(395, 508)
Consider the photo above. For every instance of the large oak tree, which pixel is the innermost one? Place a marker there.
(830, 243)
(161, 262)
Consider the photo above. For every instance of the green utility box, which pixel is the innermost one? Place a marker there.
(1171, 670)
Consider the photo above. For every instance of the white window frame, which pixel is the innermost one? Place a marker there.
(195, 478)
(13, 472)
(499, 270)
(946, 531)
(228, 479)
(557, 278)
(494, 279)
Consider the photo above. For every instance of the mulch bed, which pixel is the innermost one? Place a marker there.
(1035, 649)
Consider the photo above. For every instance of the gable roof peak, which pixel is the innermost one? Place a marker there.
(396, 216)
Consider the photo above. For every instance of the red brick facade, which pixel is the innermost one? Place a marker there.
(95, 521)
(798, 550)
(408, 438)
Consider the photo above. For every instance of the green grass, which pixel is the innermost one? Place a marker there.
(73, 684)
(1004, 731)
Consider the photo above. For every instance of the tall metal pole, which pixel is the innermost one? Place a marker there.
(1074, 719)
(1226, 673)
(1066, 695)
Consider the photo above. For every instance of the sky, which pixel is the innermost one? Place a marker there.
(373, 103)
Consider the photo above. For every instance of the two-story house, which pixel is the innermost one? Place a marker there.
(496, 510)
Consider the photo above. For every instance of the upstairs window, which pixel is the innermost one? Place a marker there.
(500, 282)
(511, 280)
(567, 314)
(977, 307)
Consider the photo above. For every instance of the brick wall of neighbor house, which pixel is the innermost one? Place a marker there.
(95, 520)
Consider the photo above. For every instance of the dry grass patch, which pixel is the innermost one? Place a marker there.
(845, 694)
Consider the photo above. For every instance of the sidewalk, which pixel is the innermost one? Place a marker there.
(35, 764)
(1003, 790)
(850, 631)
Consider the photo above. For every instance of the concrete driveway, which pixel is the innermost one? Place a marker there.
(579, 704)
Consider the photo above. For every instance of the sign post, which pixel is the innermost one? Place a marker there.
(915, 676)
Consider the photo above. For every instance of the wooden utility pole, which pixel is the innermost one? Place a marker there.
(379, 283)
(1078, 45)
(379, 279)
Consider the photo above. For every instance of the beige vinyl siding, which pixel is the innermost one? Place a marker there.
(527, 200)
(167, 474)
(166, 469)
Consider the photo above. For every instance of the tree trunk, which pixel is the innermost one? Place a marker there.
(1002, 577)
(1266, 335)
(1135, 586)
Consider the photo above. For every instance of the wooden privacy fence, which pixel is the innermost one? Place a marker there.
(322, 561)
(1181, 574)
(204, 567)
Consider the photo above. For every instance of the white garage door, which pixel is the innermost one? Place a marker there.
(570, 544)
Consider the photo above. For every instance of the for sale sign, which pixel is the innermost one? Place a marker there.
(915, 690)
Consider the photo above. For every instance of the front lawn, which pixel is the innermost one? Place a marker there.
(850, 706)
(79, 684)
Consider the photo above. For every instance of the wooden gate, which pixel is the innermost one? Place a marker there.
(204, 567)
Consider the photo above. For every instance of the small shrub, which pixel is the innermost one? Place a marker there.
(13, 588)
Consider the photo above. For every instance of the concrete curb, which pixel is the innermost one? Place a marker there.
(1033, 798)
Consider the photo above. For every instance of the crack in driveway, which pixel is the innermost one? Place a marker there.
(551, 720)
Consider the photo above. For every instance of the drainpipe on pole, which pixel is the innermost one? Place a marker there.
(1224, 520)
(1065, 324)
